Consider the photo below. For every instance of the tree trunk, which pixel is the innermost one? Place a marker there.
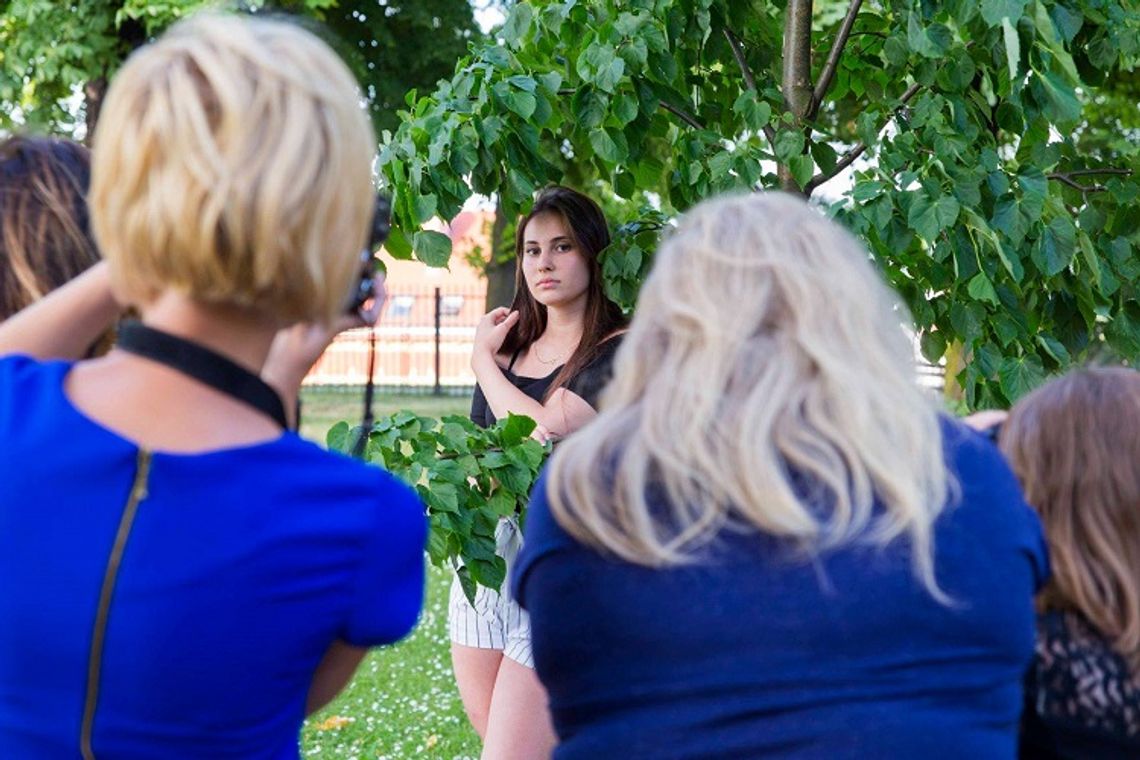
(796, 84)
(132, 36)
(500, 274)
(93, 93)
(952, 391)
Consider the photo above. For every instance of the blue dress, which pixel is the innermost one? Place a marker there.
(241, 568)
(752, 652)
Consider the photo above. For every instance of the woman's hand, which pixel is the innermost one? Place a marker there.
(293, 353)
(985, 419)
(295, 349)
(492, 330)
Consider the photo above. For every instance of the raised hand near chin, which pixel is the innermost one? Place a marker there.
(493, 328)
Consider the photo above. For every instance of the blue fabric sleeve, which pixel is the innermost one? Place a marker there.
(390, 585)
(26, 382)
(14, 370)
(542, 535)
(986, 476)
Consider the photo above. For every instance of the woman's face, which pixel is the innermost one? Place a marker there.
(556, 272)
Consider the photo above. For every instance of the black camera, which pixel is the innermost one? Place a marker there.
(378, 233)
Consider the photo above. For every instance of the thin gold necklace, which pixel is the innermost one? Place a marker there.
(538, 355)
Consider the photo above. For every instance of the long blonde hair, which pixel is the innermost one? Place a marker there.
(765, 355)
(1074, 445)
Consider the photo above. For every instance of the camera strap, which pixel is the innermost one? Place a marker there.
(203, 365)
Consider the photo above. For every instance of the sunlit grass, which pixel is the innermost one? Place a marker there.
(322, 407)
(402, 702)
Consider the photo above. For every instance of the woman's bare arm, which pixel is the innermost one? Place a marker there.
(333, 674)
(66, 322)
(561, 414)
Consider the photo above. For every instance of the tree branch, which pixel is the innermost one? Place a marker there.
(749, 80)
(1066, 178)
(795, 80)
(1092, 173)
(690, 120)
(738, 54)
(849, 157)
(828, 72)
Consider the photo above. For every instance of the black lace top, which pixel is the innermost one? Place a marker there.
(1081, 699)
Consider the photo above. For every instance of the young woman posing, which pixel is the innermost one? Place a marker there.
(547, 357)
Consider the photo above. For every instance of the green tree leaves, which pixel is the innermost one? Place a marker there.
(600, 65)
(54, 51)
(469, 478)
(930, 217)
(975, 133)
(1019, 375)
(995, 11)
(431, 247)
(1057, 100)
(1056, 248)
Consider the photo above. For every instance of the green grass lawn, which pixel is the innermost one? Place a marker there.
(403, 701)
(322, 407)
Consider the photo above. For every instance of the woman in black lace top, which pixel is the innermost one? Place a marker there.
(548, 357)
(1075, 446)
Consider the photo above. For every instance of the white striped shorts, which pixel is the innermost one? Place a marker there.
(495, 621)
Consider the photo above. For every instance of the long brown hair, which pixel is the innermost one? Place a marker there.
(1075, 446)
(45, 239)
(587, 225)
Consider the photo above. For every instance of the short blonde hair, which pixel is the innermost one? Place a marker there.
(233, 163)
(766, 382)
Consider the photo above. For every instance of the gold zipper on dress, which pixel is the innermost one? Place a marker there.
(95, 659)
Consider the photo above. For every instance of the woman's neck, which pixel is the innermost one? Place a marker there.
(238, 333)
(565, 324)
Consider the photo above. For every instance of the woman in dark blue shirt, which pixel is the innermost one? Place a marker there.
(182, 576)
(770, 544)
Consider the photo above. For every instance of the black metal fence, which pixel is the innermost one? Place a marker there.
(423, 341)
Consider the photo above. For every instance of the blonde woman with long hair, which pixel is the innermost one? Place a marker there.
(183, 576)
(1074, 445)
(768, 542)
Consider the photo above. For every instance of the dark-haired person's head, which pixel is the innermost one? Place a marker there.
(1074, 445)
(587, 234)
(45, 238)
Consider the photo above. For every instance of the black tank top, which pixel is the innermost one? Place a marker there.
(588, 383)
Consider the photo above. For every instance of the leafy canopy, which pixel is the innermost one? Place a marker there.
(53, 55)
(991, 148)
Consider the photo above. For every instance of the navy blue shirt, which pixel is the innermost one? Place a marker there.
(241, 569)
(752, 653)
